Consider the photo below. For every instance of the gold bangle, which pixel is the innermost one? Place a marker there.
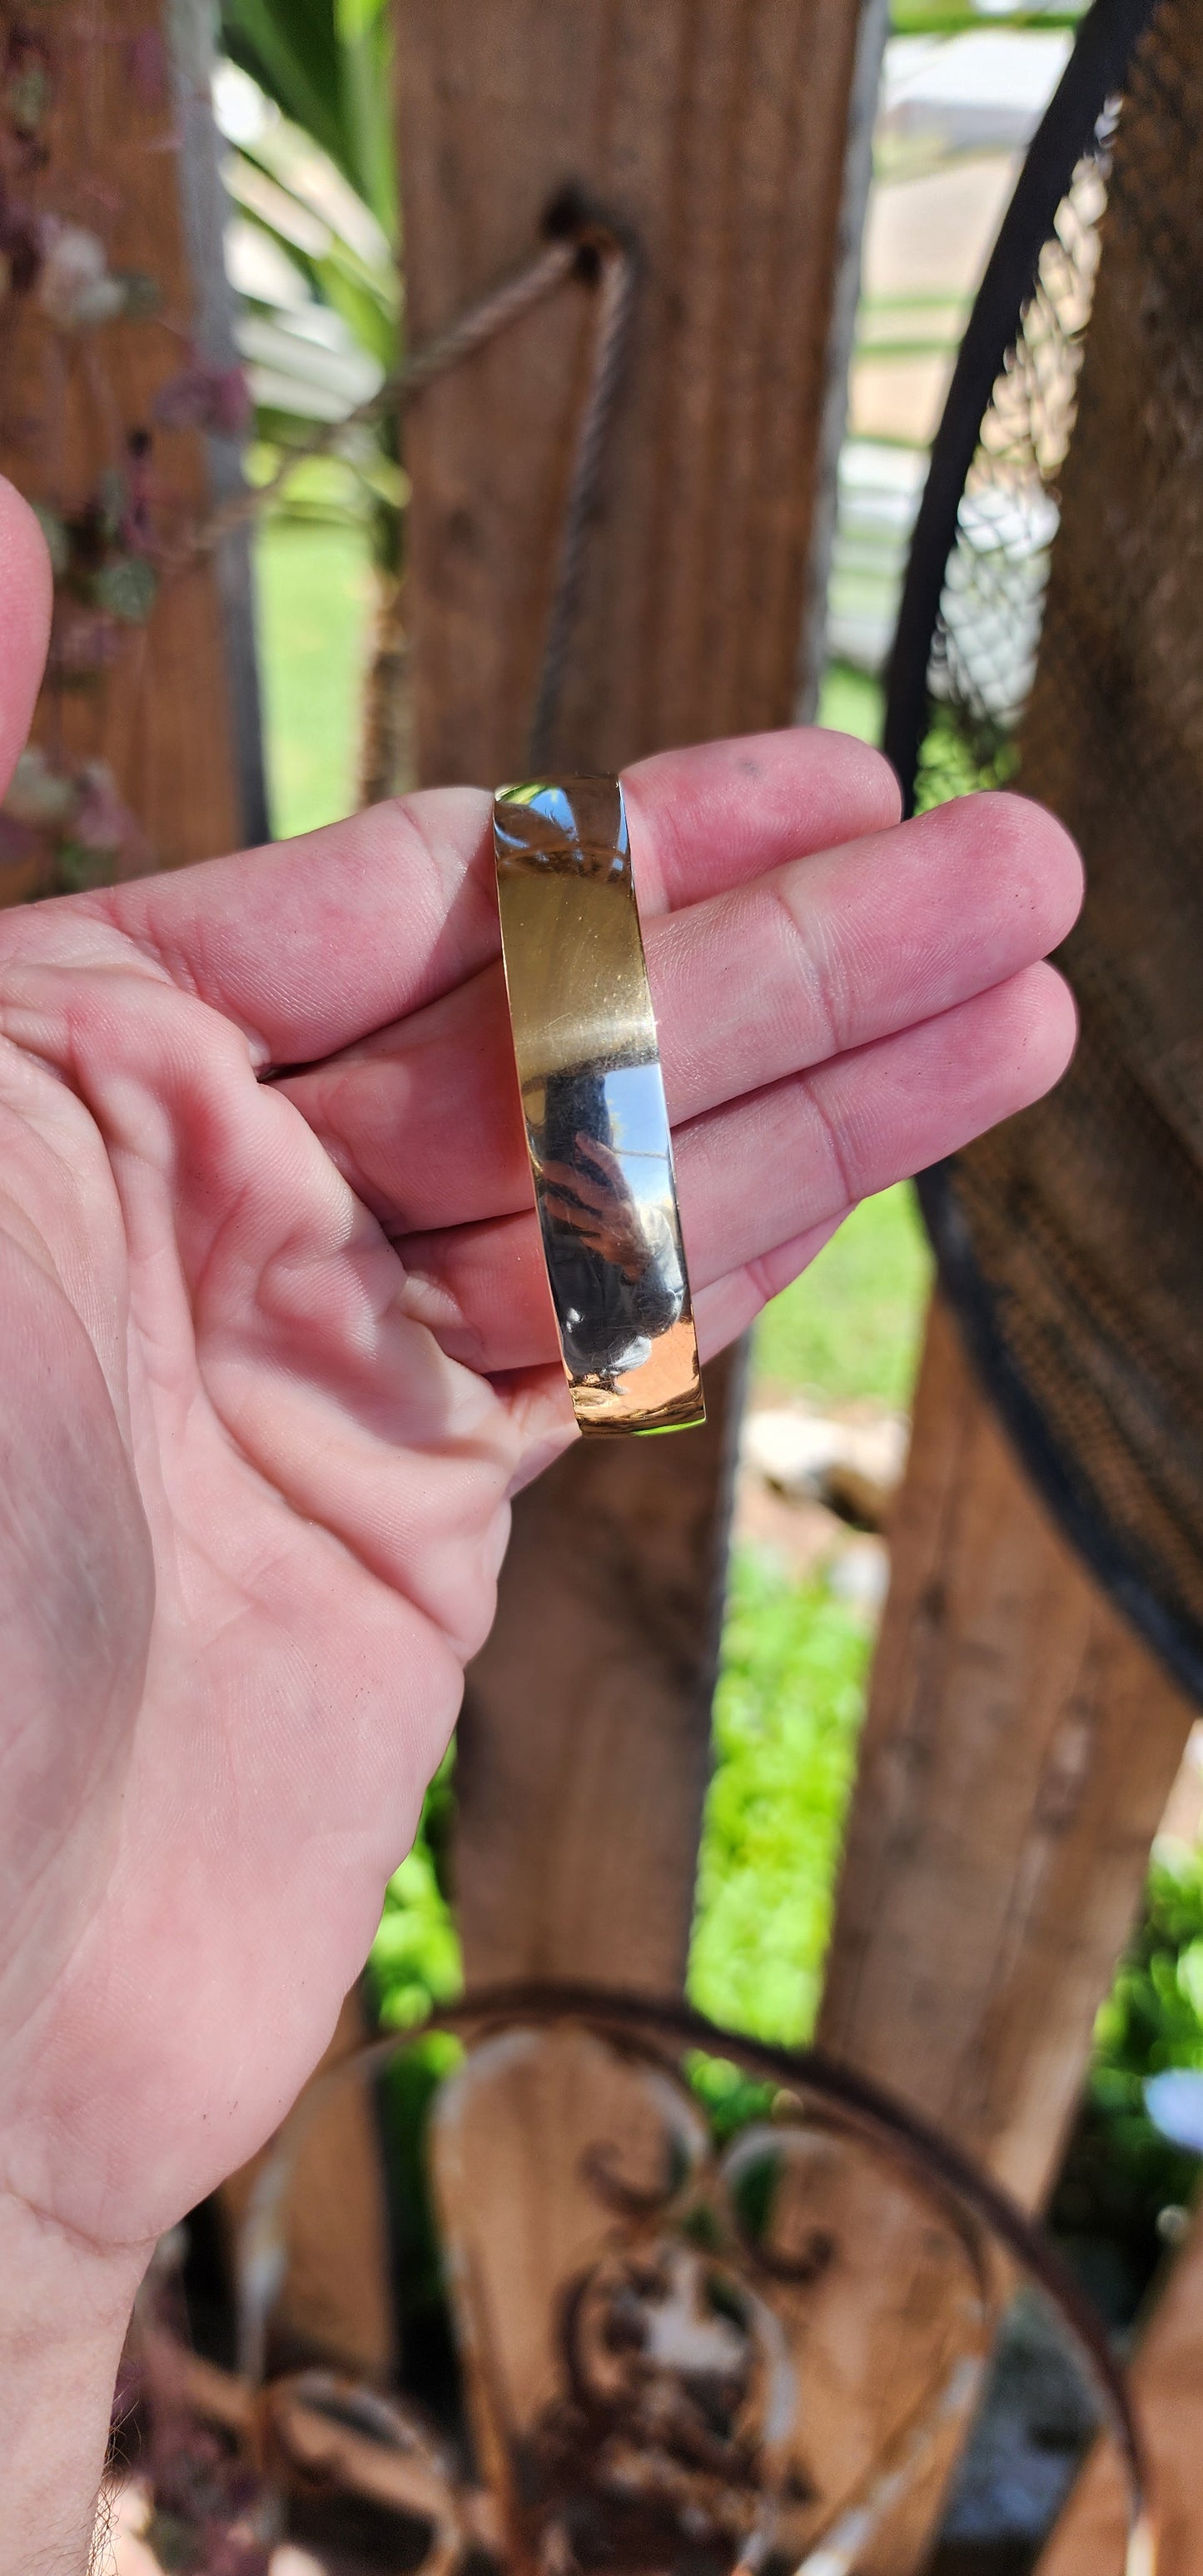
(593, 1100)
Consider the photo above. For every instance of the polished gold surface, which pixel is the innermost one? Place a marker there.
(593, 1100)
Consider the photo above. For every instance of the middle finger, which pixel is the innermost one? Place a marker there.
(824, 954)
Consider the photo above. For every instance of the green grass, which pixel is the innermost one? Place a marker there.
(313, 588)
(787, 1715)
(791, 1688)
(850, 1325)
(850, 702)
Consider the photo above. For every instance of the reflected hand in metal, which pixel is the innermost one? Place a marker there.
(593, 1101)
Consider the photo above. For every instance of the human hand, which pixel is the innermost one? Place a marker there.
(279, 1349)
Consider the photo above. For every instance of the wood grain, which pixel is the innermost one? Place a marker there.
(717, 134)
(1019, 1747)
(1167, 2381)
(129, 137)
(715, 130)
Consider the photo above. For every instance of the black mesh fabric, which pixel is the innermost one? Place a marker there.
(1068, 659)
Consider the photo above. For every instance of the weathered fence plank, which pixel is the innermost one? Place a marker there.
(1019, 1748)
(1167, 2381)
(584, 1744)
(131, 161)
(718, 135)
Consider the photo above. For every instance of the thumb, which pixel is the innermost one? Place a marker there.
(25, 603)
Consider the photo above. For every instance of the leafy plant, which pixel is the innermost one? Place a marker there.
(415, 1963)
(1120, 2174)
(328, 66)
(307, 111)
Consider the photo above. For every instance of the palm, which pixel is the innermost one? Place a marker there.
(301, 1506)
(280, 1350)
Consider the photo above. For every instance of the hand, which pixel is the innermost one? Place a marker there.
(278, 1349)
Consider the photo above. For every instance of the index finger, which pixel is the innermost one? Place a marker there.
(25, 598)
(312, 944)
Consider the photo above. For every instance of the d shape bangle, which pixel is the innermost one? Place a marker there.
(593, 1100)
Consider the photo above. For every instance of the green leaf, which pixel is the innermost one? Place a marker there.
(292, 49)
(328, 65)
(354, 18)
(1190, 1978)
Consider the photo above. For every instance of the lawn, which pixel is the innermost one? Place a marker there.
(787, 1715)
(313, 600)
(795, 1658)
(850, 1325)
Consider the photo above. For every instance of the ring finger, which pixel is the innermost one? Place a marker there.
(778, 1168)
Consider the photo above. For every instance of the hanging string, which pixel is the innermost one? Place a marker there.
(586, 246)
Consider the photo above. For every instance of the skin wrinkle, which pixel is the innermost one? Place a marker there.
(771, 1272)
(348, 1217)
(50, 1856)
(83, 1594)
(290, 1265)
(56, 1851)
(810, 964)
(833, 1139)
(76, 1276)
(184, 977)
(102, 1731)
(381, 1563)
(54, 1316)
(277, 1491)
(14, 1220)
(237, 1445)
(140, 2248)
(42, 965)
